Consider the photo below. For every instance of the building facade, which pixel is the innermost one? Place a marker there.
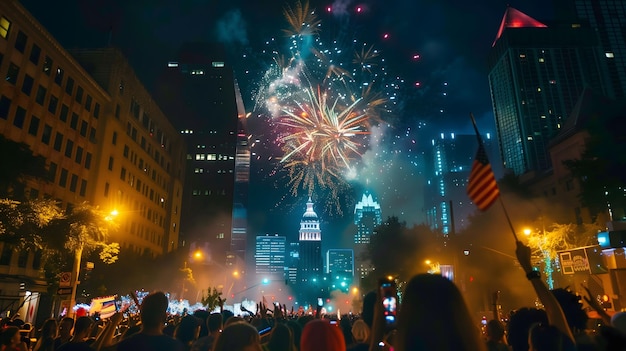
(198, 90)
(270, 256)
(367, 216)
(536, 74)
(608, 19)
(104, 140)
(446, 201)
(310, 263)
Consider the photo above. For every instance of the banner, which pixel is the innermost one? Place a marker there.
(587, 260)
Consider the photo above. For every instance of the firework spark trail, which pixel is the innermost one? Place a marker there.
(323, 101)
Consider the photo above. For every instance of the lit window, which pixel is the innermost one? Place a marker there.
(541, 59)
(539, 90)
(609, 55)
(522, 55)
(5, 24)
(197, 72)
(552, 81)
(172, 64)
(217, 64)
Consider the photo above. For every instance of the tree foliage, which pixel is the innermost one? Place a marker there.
(602, 167)
(399, 251)
(212, 299)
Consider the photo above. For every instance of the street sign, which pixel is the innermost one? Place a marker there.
(64, 280)
(64, 291)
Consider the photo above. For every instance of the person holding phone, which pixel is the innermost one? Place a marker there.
(433, 316)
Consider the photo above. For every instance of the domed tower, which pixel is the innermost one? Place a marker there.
(310, 266)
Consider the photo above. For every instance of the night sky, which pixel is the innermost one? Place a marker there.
(441, 45)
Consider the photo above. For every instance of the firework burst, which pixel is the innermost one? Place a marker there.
(323, 102)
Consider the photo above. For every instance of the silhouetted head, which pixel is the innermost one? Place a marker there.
(154, 310)
(319, 334)
(433, 316)
(238, 336)
(519, 325)
(572, 307)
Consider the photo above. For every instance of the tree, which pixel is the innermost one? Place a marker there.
(399, 251)
(602, 168)
(84, 229)
(22, 223)
(212, 299)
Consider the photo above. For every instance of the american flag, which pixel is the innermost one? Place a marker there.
(482, 187)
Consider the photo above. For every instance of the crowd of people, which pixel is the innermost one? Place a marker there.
(432, 316)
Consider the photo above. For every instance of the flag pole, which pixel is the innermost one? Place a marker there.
(506, 213)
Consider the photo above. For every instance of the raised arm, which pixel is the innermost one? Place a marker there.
(556, 317)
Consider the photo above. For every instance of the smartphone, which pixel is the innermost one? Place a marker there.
(320, 302)
(390, 301)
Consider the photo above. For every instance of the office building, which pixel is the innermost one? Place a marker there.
(198, 90)
(367, 216)
(104, 140)
(269, 257)
(608, 20)
(310, 264)
(536, 74)
(446, 202)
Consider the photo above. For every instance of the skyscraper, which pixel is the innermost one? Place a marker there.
(269, 256)
(339, 269)
(446, 202)
(199, 92)
(310, 264)
(367, 216)
(536, 74)
(608, 19)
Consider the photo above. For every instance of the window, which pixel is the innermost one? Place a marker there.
(5, 259)
(52, 104)
(73, 183)
(96, 110)
(83, 187)
(69, 86)
(20, 41)
(106, 189)
(33, 129)
(123, 174)
(78, 158)
(20, 115)
(58, 77)
(58, 141)
(79, 94)
(22, 258)
(52, 172)
(114, 139)
(27, 85)
(110, 163)
(88, 103)
(41, 95)
(47, 133)
(92, 134)
(117, 111)
(83, 128)
(5, 25)
(35, 53)
(12, 73)
(88, 160)
(5, 104)
(69, 148)
(64, 112)
(63, 178)
(74, 121)
(47, 65)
